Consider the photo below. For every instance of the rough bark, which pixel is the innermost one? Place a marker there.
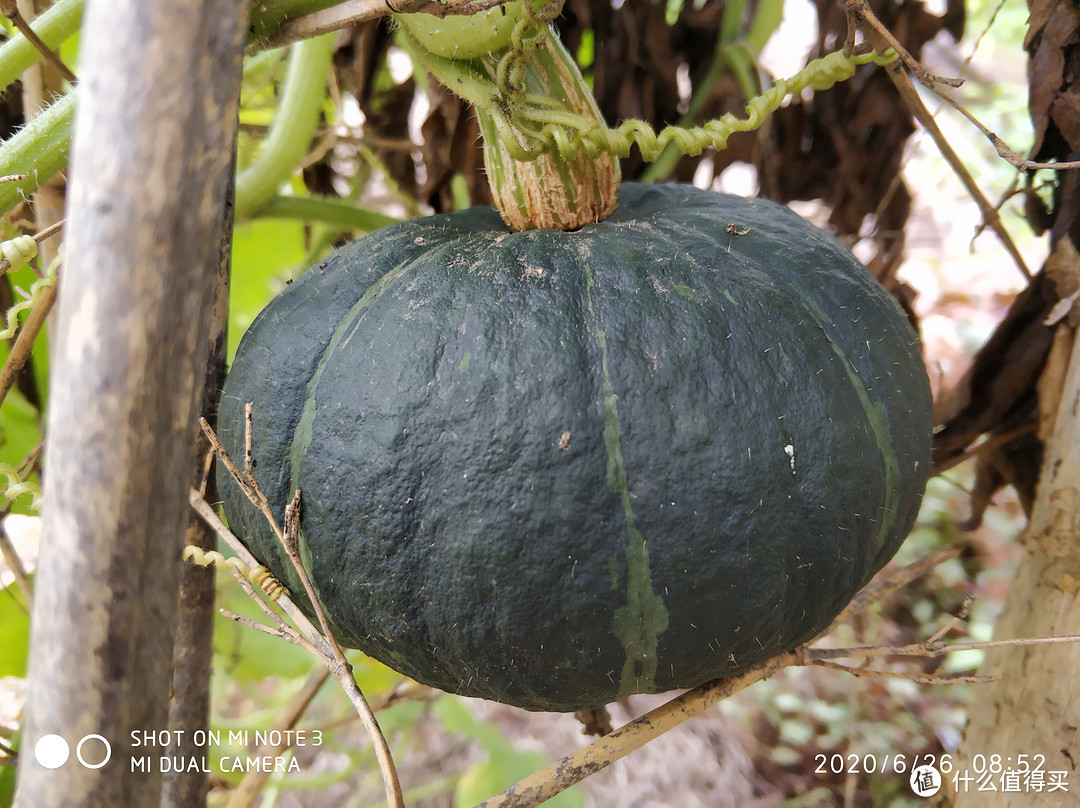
(150, 167)
(1034, 708)
(189, 705)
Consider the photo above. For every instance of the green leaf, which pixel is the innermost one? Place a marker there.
(7, 776)
(767, 18)
(14, 633)
(264, 254)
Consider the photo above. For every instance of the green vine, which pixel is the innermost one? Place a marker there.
(549, 128)
(297, 119)
(36, 152)
(55, 26)
(556, 130)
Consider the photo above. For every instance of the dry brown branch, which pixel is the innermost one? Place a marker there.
(262, 628)
(927, 649)
(920, 678)
(990, 444)
(325, 647)
(24, 343)
(11, 558)
(203, 509)
(989, 212)
(29, 465)
(952, 622)
(575, 767)
(352, 12)
(279, 629)
(893, 580)
(860, 10)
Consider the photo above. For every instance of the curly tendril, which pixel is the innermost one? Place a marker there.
(12, 314)
(15, 486)
(18, 251)
(563, 132)
(535, 23)
(260, 576)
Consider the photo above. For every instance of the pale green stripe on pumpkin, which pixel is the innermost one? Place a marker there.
(639, 622)
(302, 435)
(878, 420)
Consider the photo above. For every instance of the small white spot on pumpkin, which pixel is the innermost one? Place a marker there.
(789, 450)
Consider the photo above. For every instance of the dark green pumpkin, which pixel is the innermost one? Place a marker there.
(554, 469)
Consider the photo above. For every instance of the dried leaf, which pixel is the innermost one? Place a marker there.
(1039, 15)
(1047, 69)
(1001, 380)
(1065, 112)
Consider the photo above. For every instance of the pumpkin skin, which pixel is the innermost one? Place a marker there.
(556, 469)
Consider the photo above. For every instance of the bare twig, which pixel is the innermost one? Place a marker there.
(990, 215)
(951, 623)
(921, 678)
(284, 602)
(282, 628)
(24, 343)
(575, 767)
(352, 12)
(324, 645)
(991, 443)
(878, 590)
(810, 656)
(262, 628)
(860, 10)
(11, 557)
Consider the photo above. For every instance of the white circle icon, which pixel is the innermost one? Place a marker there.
(104, 758)
(925, 781)
(51, 751)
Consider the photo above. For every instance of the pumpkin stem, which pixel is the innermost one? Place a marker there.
(533, 187)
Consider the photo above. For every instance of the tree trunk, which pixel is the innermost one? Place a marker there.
(150, 167)
(1031, 714)
(189, 703)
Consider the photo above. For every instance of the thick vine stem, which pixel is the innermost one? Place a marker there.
(55, 25)
(562, 191)
(293, 128)
(37, 152)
